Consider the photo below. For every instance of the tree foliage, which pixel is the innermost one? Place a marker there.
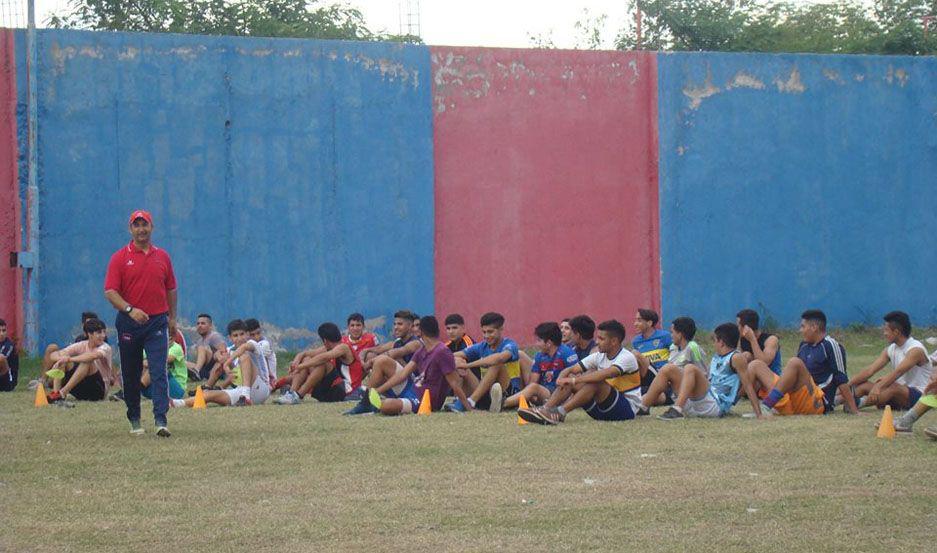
(267, 18)
(838, 26)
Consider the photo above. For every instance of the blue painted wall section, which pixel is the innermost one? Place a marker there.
(291, 180)
(795, 181)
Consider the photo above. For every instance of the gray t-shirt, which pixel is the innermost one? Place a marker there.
(213, 341)
(692, 353)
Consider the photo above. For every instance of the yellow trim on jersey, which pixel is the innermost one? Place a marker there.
(625, 382)
(514, 369)
(656, 355)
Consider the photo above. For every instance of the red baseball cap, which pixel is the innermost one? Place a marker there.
(141, 214)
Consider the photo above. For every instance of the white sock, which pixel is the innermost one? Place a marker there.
(178, 403)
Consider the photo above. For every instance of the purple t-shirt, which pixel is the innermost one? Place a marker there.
(430, 374)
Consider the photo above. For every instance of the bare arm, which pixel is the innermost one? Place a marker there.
(592, 376)
(740, 368)
(58, 356)
(914, 358)
(121, 304)
(456, 384)
(766, 355)
(489, 360)
(408, 349)
(397, 378)
(323, 356)
(870, 371)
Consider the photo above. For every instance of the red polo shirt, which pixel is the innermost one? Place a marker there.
(142, 279)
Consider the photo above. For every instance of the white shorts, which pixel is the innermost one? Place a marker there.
(260, 391)
(234, 394)
(705, 406)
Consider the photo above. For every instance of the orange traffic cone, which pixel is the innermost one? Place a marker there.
(41, 400)
(523, 405)
(426, 405)
(886, 428)
(199, 399)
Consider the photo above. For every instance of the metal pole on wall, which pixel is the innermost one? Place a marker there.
(31, 265)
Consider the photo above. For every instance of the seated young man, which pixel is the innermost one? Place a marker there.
(47, 355)
(9, 360)
(567, 333)
(582, 333)
(757, 344)
(911, 368)
(905, 423)
(359, 341)
(386, 360)
(711, 393)
(431, 368)
(684, 351)
(249, 358)
(321, 375)
(209, 347)
(650, 344)
(606, 384)
(86, 366)
(498, 358)
(178, 373)
(809, 382)
(553, 356)
(458, 339)
(266, 348)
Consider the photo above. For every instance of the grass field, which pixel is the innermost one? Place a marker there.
(304, 478)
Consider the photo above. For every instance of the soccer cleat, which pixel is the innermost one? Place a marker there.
(363, 407)
(54, 397)
(671, 414)
(355, 395)
(931, 432)
(287, 398)
(162, 431)
(374, 399)
(497, 398)
(455, 407)
(244, 401)
(551, 416)
(136, 429)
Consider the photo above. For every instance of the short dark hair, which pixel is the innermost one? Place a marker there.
(203, 315)
(416, 318)
(749, 318)
(815, 316)
(566, 320)
(355, 317)
(583, 325)
(93, 325)
(236, 324)
(252, 324)
(492, 319)
(685, 326)
(649, 315)
(454, 319)
(329, 332)
(900, 321)
(429, 327)
(728, 334)
(405, 314)
(549, 332)
(2, 322)
(614, 328)
(85, 315)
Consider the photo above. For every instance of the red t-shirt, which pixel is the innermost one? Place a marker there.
(142, 279)
(356, 369)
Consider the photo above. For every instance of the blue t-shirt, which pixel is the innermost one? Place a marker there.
(482, 349)
(582, 353)
(549, 368)
(655, 349)
(724, 382)
(826, 361)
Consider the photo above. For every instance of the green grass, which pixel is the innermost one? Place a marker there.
(304, 478)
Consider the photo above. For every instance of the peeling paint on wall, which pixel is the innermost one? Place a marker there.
(792, 84)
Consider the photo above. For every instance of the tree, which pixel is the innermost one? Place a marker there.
(268, 18)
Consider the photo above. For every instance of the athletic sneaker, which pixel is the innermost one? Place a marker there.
(288, 397)
(33, 384)
(900, 427)
(363, 407)
(767, 411)
(136, 429)
(163, 432)
(931, 432)
(497, 397)
(116, 396)
(244, 401)
(355, 395)
(642, 411)
(541, 415)
(53, 397)
(671, 414)
(455, 407)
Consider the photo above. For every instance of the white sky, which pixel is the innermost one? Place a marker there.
(505, 23)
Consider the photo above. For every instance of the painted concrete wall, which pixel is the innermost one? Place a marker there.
(291, 180)
(798, 181)
(10, 283)
(546, 184)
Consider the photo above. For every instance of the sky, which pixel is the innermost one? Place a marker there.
(504, 23)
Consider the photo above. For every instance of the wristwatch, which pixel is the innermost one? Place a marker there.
(128, 309)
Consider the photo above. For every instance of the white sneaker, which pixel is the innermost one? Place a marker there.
(497, 395)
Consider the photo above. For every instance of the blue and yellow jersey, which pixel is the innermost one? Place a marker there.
(482, 349)
(656, 348)
(628, 378)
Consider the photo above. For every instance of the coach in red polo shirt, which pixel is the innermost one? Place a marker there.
(141, 285)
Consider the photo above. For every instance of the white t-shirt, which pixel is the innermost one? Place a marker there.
(918, 376)
(269, 356)
(259, 361)
(628, 381)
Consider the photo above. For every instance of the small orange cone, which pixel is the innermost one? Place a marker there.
(41, 400)
(426, 406)
(886, 428)
(199, 399)
(523, 405)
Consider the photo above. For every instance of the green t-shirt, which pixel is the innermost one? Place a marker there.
(177, 368)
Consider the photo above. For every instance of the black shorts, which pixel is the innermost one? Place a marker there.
(331, 388)
(205, 372)
(91, 388)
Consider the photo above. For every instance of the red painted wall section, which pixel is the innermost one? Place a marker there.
(11, 306)
(546, 185)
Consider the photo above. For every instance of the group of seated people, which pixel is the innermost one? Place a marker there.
(577, 365)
